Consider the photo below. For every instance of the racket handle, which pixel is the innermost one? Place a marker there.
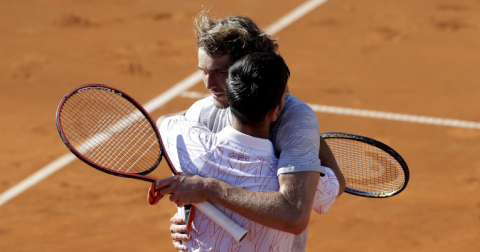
(235, 230)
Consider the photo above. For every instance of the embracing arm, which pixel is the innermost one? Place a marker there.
(286, 210)
(327, 159)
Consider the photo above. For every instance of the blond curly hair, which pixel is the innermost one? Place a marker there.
(234, 35)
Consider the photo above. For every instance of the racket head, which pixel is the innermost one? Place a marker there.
(110, 131)
(370, 167)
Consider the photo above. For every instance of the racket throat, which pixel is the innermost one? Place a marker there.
(189, 214)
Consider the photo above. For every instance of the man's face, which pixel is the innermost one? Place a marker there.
(215, 73)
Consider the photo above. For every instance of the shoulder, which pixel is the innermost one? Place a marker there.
(205, 112)
(297, 114)
(293, 103)
(296, 137)
(193, 113)
(183, 140)
(180, 125)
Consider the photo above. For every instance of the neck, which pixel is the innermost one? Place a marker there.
(262, 131)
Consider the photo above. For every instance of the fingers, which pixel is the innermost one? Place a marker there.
(163, 183)
(178, 231)
(176, 199)
(183, 189)
(179, 246)
(168, 186)
(176, 237)
(178, 227)
(177, 219)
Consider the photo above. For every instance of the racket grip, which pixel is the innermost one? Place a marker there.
(238, 232)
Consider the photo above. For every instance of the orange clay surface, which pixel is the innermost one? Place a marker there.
(410, 56)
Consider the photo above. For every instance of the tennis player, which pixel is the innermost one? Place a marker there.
(295, 135)
(240, 155)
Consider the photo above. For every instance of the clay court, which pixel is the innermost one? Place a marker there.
(406, 57)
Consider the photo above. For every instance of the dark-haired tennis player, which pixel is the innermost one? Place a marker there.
(239, 156)
(295, 135)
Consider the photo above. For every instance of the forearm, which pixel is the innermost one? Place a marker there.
(286, 210)
(327, 159)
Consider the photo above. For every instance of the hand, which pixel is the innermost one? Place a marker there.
(178, 231)
(184, 189)
(327, 159)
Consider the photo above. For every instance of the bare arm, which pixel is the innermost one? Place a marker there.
(327, 159)
(286, 210)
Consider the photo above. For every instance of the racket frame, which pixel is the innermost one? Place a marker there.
(383, 147)
(139, 175)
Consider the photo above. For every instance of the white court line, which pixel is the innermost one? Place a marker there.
(155, 103)
(36, 177)
(372, 114)
(395, 116)
(293, 16)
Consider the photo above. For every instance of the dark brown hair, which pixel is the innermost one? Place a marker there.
(255, 84)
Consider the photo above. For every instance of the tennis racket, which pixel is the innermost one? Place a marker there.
(371, 168)
(111, 132)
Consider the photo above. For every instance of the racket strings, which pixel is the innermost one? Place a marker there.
(133, 135)
(110, 131)
(87, 121)
(105, 149)
(116, 135)
(366, 167)
(100, 140)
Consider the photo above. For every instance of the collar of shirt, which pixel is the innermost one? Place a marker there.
(246, 140)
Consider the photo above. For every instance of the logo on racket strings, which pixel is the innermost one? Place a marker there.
(100, 88)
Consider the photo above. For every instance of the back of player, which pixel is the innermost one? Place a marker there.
(244, 160)
(232, 157)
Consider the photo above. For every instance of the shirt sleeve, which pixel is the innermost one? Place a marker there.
(327, 192)
(297, 139)
(182, 139)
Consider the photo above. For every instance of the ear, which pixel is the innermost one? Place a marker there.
(273, 113)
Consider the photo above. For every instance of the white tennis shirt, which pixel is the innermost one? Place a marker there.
(296, 141)
(237, 159)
